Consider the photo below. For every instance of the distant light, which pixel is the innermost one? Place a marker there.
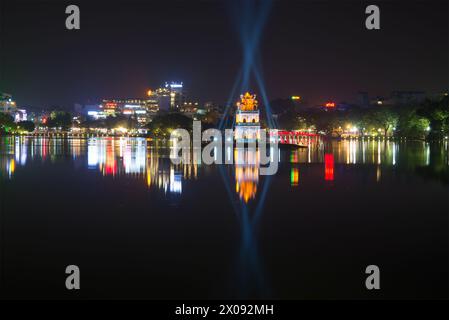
(428, 129)
(110, 105)
(149, 92)
(330, 105)
(379, 102)
(121, 129)
(296, 98)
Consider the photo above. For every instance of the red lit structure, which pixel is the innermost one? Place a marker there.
(299, 138)
(329, 167)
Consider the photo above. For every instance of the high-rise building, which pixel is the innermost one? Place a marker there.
(152, 102)
(176, 94)
(169, 97)
(163, 98)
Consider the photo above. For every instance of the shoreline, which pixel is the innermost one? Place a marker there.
(147, 137)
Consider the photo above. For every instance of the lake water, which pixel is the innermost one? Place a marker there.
(138, 226)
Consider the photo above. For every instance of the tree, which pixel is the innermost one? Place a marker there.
(7, 124)
(163, 125)
(437, 111)
(210, 118)
(385, 118)
(26, 126)
(411, 124)
(60, 119)
(119, 121)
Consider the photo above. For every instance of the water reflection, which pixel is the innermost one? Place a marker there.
(246, 173)
(137, 158)
(245, 189)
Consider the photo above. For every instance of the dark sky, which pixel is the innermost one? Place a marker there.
(317, 49)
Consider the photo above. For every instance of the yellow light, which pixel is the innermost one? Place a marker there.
(121, 129)
(296, 98)
(247, 102)
(149, 92)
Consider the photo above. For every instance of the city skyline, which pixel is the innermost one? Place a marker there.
(220, 157)
(318, 51)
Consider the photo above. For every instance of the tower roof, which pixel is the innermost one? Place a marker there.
(247, 102)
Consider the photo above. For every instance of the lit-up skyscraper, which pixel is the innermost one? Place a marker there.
(176, 94)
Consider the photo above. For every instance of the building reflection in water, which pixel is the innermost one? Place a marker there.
(135, 158)
(294, 177)
(246, 173)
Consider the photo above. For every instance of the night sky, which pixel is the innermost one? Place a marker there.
(317, 49)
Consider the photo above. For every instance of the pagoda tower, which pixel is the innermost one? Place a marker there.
(247, 125)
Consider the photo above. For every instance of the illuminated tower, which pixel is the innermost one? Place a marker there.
(247, 123)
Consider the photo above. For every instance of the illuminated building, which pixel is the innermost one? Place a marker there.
(20, 115)
(135, 108)
(168, 97)
(7, 105)
(190, 108)
(152, 102)
(163, 99)
(247, 125)
(109, 107)
(176, 94)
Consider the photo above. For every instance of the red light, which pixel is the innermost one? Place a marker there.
(329, 167)
(330, 105)
(110, 105)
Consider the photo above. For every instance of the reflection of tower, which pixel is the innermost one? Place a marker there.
(247, 124)
(246, 173)
(166, 176)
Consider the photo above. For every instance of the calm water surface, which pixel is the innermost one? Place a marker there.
(140, 227)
